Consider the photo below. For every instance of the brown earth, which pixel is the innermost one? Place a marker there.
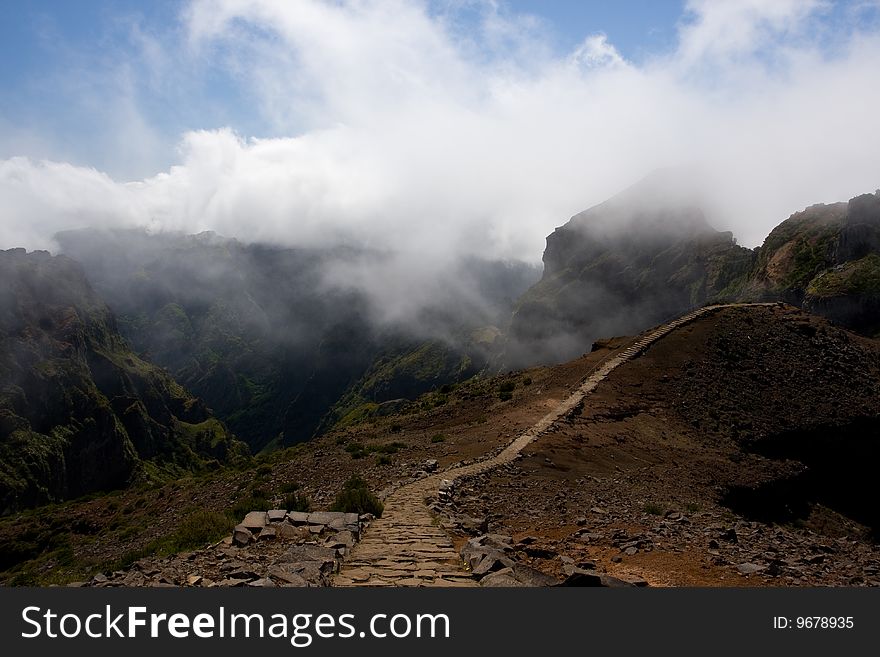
(745, 437)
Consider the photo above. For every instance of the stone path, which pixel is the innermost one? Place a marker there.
(406, 548)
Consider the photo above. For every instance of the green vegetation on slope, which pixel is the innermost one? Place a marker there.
(79, 412)
(858, 277)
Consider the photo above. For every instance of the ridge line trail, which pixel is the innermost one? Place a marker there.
(406, 548)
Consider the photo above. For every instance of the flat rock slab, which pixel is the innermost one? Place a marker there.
(255, 520)
(326, 518)
(276, 515)
(298, 518)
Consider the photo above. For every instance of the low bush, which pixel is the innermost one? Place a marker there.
(356, 497)
(296, 502)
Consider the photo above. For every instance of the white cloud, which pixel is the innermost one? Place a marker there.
(595, 51)
(409, 134)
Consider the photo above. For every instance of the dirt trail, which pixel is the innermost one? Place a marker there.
(406, 548)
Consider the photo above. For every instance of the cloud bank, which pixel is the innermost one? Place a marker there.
(418, 133)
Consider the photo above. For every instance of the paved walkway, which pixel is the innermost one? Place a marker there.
(406, 548)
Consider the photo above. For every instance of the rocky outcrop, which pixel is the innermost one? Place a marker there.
(267, 549)
(648, 254)
(79, 412)
(634, 261)
(860, 234)
(825, 259)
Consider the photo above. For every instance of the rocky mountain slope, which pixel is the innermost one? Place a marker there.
(648, 254)
(827, 260)
(737, 450)
(643, 256)
(79, 412)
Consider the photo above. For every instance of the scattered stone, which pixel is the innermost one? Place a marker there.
(580, 577)
(501, 578)
(267, 533)
(243, 574)
(490, 563)
(539, 553)
(345, 538)
(638, 581)
(241, 535)
(288, 532)
(749, 568)
(289, 578)
(431, 465)
(529, 576)
(612, 582)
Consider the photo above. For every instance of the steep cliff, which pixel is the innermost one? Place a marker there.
(79, 412)
(623, 265)
(827, 260)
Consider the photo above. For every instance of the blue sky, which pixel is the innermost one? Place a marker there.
(439, 125)
(70, 71)
(58, 58)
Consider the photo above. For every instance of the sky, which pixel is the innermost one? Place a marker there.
(432, 127)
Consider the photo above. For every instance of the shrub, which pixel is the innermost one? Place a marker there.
(507, 386)
(356, 497)
(653, 509)
(245, 505)
(289, 487)
(527, 381)
(505, 396)
(296, 502)
(197, 530)
(384, 459)
(438, 438)
(387, 448)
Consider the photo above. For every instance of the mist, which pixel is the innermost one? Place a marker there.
(405, 132)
